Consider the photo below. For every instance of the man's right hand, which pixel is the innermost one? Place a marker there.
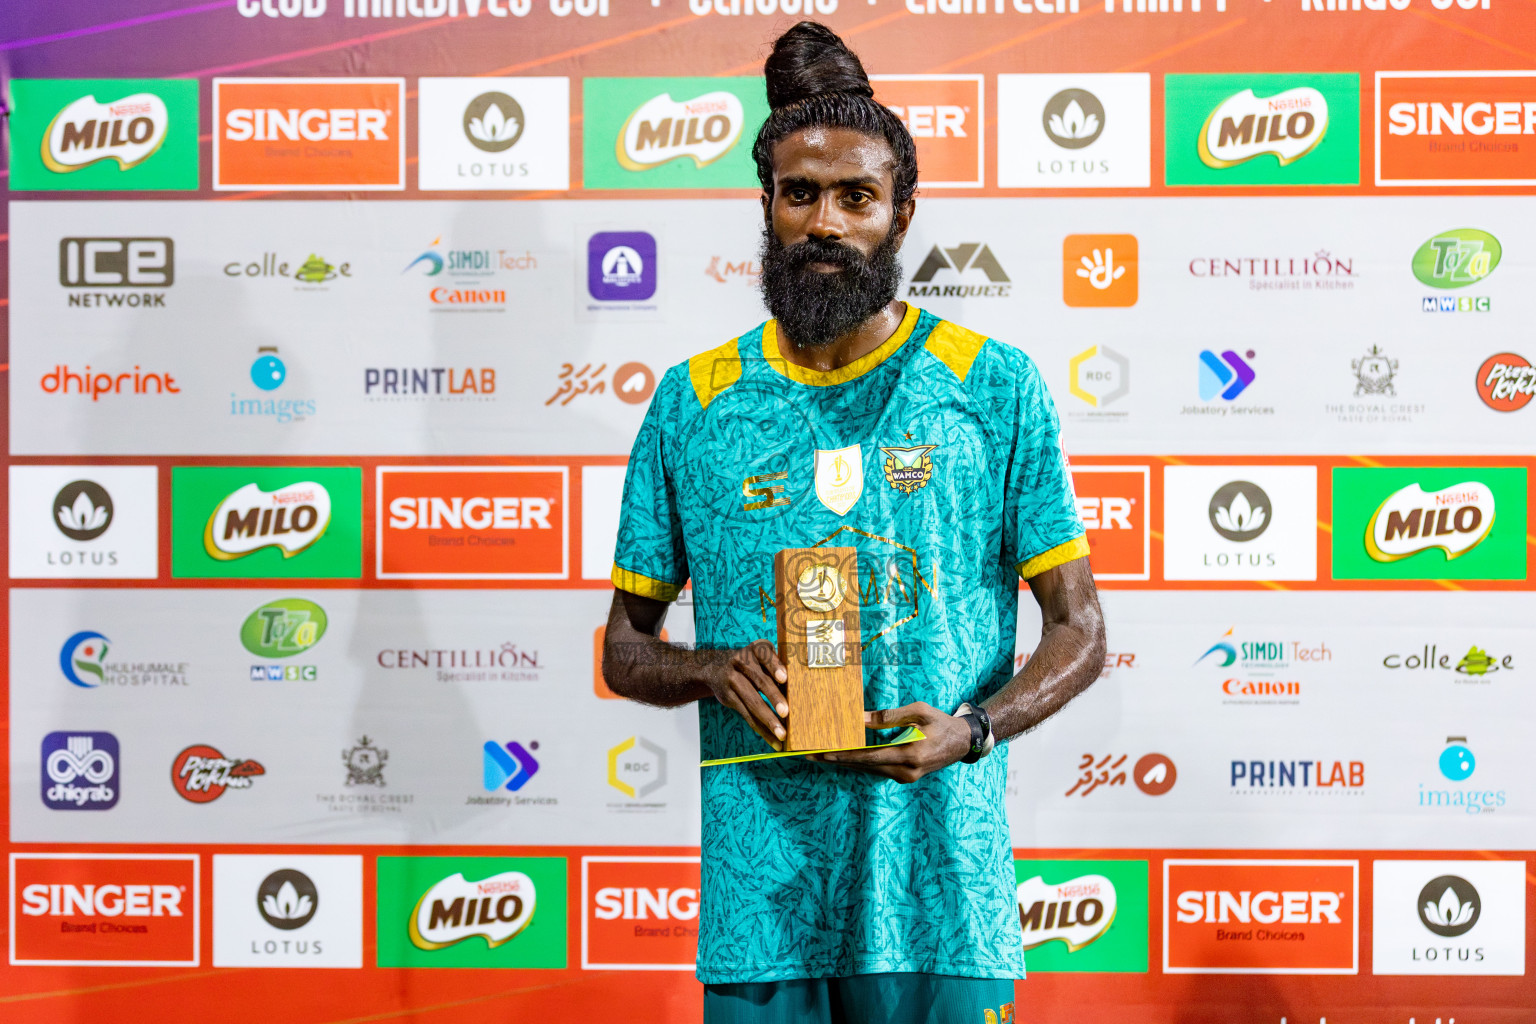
(743, 679)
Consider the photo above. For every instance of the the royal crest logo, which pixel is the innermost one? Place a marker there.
(1411, 520)
(365, 764)
(289, 518)
(1074, 912)
(1373, 373)
(85, 132)
(663, 129)
(202, 773)
(909, 469)
(454, 909)
(1288, 125)
(840, 478)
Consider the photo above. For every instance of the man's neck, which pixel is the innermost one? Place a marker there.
(861, 341)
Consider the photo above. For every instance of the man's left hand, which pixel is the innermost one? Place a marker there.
(945, 740)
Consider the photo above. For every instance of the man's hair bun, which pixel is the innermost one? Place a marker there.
(810, 60)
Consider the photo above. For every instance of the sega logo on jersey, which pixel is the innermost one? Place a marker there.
(639, 913)
(1112, 501)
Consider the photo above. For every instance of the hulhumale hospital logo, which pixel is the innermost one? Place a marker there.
(83, 659)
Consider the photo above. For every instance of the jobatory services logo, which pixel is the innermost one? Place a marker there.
(287, 910)
(471, 912)
(1099, 377)
(637, 768)
(81, 771)
(508, 765)
(1113, 503)
(1225, 376)
(492, 134)
(1456, 259)
(1074, 131)
(104, 134)
(1099, 270)
(971, 262)
(309, 134)
(1506, 382)
(117, 263)
(639, 913)
(490, 522)
(117, 909)
(1083, 915)
(1261, 916)
(266, 522)
(83, 662)
(84, 522)
(201, 773)
(1463, 917)
(1455, 128)
(1439, 522)
(684, 133)
(1256, 522)
(1261, 129)
(945, 115)
(1457, 764)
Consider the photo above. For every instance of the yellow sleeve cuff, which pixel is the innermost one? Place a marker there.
(1061, 554)
(644, 586)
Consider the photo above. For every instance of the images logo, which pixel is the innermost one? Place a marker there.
(962, 259)
(621, 266)
(258, 522)
(287, 899)
(467, 912)
(83, 659)
(104, 134)
(688, 142)
(1227, 376)
(472, 523)
(1456, 760)
(641, 913)
(82, 510)
(80, 771)
(1099, 270)
(942, 113)
(309, 134)
(268, 372)
(1262, 129)
(201, 774)
(1455, 259)
(1445, 128)
(1112, 501)
(493, 122)
(1240, 511)
(283, 628)
(1506, 382)
(1457, 763)
(509, 766)
(637, 767)
(1090, 915)
(122, 909)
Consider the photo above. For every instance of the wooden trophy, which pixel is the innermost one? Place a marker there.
(816, 591)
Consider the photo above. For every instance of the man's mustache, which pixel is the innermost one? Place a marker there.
(822, 250)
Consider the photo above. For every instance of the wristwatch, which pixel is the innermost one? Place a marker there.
(982, 740)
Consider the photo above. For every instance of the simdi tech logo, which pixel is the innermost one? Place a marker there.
(103, 134)
(1262, 129)
(118, 909)
(1455, 128)
(946, 117)
(471, 912)
(266, 522)
(639, 913)
(1083, 915)
(670, 132)
(1427, 523)
(492, 134)
(1074, 131)
(472, 522)
(309, 134)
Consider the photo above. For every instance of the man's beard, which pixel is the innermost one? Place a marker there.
(814, 308)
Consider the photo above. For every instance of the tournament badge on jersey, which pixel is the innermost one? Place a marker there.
(909, 469)
(840, 478)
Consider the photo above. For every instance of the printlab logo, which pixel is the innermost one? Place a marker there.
(104, 134)
(80, 771)
(637, 767)
(287, 899)
(1074, 131)
(82, 510)
(1456, 259)
(967, 260)
(1099, 270)
(621, 266)
(1100, 377)
(508, 766)
(365, 764)
(1506, 382)
(493, 122)
(201, 774)
(1240, 511)
(1449, 906)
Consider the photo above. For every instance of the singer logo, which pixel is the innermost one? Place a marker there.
(1260, 917)
(1112, 501)
(944, 114)
(128, 910)
(303, 134)
(639, 913)
(495, 522)
(1444, 128)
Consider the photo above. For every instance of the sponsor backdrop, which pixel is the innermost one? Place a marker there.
(328, 327)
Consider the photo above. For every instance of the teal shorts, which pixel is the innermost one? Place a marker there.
(907, 998)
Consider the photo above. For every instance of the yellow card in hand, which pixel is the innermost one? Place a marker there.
(908, 735)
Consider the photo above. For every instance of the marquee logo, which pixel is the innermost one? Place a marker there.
(266, 522)
(1506, 382)
(490, 522)
(121, 909)
(1450, 128)
(471, 912)
(1288, 125)
(639, 913)
(662, 129)
(1083, 915)
(963, 260)
(1262, 129)
(81, 771)
(321, 134)
(1455, 520)
(289, 518)
(201, 773)
(104, 134)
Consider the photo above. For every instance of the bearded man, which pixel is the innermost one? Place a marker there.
(877, 884)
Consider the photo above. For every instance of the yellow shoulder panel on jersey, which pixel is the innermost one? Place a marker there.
(714, 371)
(954, 346)
(1061, 554)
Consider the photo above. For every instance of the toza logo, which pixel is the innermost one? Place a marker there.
(85, 132)
(1455, 520)
(290, 518)
(454, 909)
(1240, 511)
(493, 122)
(283, 628)
(662, 129)
(1288, 125)
(1073, 118)
(1457, 258)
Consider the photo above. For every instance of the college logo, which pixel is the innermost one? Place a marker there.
(79, 522)
(1074, 131)
(471, 912)
(1099, 376)
(283, 628)
(944, 115)
(1445, 128)
(201, 773)
(80, 771)
(962, 260)
(1099, 270)
(639, 913)
(309, 134)
(1262, 129)
(258, 522)
(104, 134)
(1506, 382)
(686, 134)
(1222, 522)
(1090, 915)
(1112, 501)
(508, 766)
(365, 764)
(492, 133)
(287, 910)
(1475, 664)
(119, 909)
(482, 523)
(1260, 916)
(311, 273)
(1449, 917)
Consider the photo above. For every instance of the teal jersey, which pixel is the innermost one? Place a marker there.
(938, 457)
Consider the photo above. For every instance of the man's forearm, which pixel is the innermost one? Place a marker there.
(645, 668)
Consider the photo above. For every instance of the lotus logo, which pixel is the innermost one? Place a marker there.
(1073, 118)
(290, 518)
(83, 510)
(1411, 520)
(287, 899)
(493, 122)
(1074, 912)
(662, 129)
(1240, 511)
(1449, 906)
(83, 659)
(1457, 258)
(1287, 125)
(283, 628)
(86, 132)
(454, 909)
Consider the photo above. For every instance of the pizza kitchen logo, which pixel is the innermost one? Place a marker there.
(290, 519)
(201, 773)
(1506, 382)
(454, 909)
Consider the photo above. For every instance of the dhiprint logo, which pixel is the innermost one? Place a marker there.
(1240, 511)
(1506, 382)
(1099, 270)
(1074, 131)
(492, 134)
(493, 122)
(944, 115)
(82, 510)
(119, 909)
(287, 899)
(1073, 118)
(1454, 911)
(287, 910)
(201, 774)
(508, 766)
(80, 771)
(104, 134)
(1225, 376)
(962, 259)
(1449, 917)
(427, 907)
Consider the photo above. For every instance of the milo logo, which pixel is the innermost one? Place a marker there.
(1455, 520)
(1457, 258)
(289, 518)
(702, 129)
(283, 628)
(85, 132)
(1287, 125)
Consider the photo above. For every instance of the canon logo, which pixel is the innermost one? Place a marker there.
(1267, 907)
(101, 900)
(641, 904)
(472, 513)
(337, 124)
